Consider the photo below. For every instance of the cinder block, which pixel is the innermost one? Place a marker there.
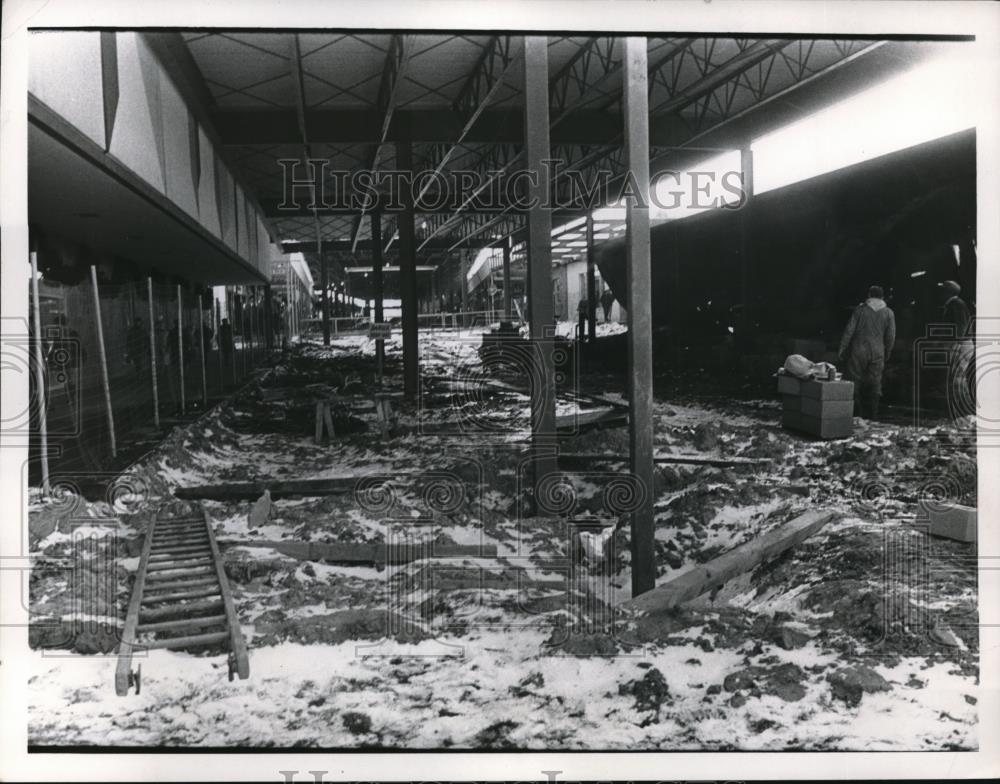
(827, 409)
(953, 521)
(828, 390)
(789, 385)
(791, 402)
(833, 427)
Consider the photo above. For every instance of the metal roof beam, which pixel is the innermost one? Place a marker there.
(393, 72)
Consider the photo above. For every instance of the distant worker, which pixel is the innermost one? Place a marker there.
(607, 300)
(226, 338)
(956, 312)
(865, 346)
(961, 381)
(582, 310)
(208, 334)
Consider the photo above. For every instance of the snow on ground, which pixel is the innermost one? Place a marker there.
(826, 647)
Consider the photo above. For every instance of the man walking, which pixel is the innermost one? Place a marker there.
(865, 346)
(961, 377)
(607, 300)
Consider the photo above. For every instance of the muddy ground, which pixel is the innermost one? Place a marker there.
(862, 637)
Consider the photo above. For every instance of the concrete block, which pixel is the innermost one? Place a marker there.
(953, 521)
(791, 402)
(789, 385)
(833, 427)
(828, 390)
(827, 409)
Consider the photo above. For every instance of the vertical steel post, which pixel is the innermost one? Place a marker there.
(408, 275)
(152, 354)
(217, 321)
(231, 310)
(180, 346)
(244, 340)
(638, 286)
(746, 262)
(591, 281)
(464, 282)
(105, 382)
(537, 151)
(379, 294)
(507, 293)
(268, 318)
(252, 327)
(324, 276)
(201, 345)
(40, 391)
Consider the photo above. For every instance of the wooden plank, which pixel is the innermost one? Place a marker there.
(375, 552)
(188, 608)
(177, 596)
(662, 459)
(185, 551)
(199, 571)
(190, 641)
(237, 644)
(183, 623)
(717, 572)
(169, 566)
(125, 649)
(581, 421)
(318, 435)
(638, 288)
(234, 491)
(328, 421)
(186, 583)
(164, 544)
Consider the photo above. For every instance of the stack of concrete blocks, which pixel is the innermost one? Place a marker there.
(823, 409)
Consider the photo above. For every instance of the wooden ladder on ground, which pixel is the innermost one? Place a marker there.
(181, 599)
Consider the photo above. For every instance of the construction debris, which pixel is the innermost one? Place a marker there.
(719, 571)
(663, 459)
(376, 553)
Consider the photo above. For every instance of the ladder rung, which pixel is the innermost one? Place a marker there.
(188, 642)
(185, 623)
(180, 584)
(194, 536)
(161, 524)
(184, 552)
(181, 563)
(196, 571)
(181, 547)
(194, 593)
(169, 520)
(190, 608)
(186, 524)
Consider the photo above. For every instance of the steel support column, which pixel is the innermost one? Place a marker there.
(638, 287)
(463, 265)
(408, 275)
(591, 281)
(377, 285)
(507, 293)
(748, 315)
(41, 394)
(536, 138)
(324, 275)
